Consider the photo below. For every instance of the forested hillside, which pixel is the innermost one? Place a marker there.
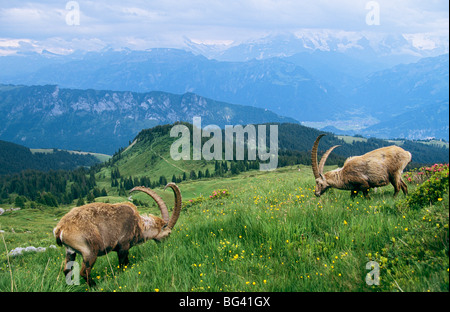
(15, 158)
(296, 138)
(50, 188)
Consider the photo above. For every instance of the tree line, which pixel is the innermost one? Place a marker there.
(49, 188)
(221, 169)
(56, 187)
(15, 158)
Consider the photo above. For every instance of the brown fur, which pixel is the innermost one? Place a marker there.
(361, 173)
(96, 229)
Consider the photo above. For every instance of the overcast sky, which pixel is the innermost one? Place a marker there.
(143, 24)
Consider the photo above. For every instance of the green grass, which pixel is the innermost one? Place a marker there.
(270, 234)
(438, 143)
(154, 160)
(351, 139)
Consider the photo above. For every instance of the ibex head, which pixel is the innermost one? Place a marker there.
(157, 228)
(321, 181)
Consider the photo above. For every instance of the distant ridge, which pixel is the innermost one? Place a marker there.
(149, 153)
(14, 158)
(104, 121)
(326, 86)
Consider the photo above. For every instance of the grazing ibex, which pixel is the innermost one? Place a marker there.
(360, 173)
(96, 229)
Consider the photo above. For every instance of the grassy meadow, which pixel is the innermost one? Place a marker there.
(258, 231)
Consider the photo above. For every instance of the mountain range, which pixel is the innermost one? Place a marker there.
(410, 101)
(380, 50)
(342, 83)
(104, 121)
(273, 84)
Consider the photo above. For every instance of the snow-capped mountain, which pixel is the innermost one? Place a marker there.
(387, 49)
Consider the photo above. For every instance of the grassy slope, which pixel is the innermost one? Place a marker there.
(99, 156)
(154, 160)
(270, 234)
(437, 143)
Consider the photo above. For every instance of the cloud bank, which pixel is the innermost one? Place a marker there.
(142, 24)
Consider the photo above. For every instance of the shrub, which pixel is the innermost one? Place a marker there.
(216, 194)
(193, 201)
(430, 191)
(418, 176)
(219, 194)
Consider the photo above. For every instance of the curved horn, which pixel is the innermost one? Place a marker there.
(177, 207)
(324, 158)
(315, 167)
(161, 204)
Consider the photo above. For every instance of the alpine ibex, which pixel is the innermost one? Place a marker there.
(360, 173)
(96, 229)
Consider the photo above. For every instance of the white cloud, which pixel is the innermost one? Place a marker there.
(144, 24)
